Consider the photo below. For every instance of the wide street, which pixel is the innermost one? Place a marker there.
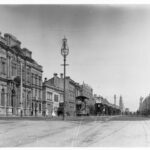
(109, 132)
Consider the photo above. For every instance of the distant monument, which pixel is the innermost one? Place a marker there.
(121, 105)
(140, 105)
(115, 99)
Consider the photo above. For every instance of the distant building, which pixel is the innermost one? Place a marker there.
(87, 91)
(104, 107)
(11, 58)
(145, 105)
(121, 104)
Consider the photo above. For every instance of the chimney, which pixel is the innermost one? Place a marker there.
(55, 74)
(61, 75)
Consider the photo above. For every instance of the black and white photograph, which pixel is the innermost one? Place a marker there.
(75, 75)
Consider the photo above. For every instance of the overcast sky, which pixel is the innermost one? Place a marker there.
(109, 44)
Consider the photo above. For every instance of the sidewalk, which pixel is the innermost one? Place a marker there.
(36, 118)
(67, 118)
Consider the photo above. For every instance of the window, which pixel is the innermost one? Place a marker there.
(32, 78)
(56, 98)
(19, 69)
(23, 73)
(61, 98)
(39, 94)
(49, 96)
(14, 69)
(3, 65)
(35, 92)
(32, 90)
(39, 107)
(39, 81)
(28, 75)
(28, 95)
(3, 97)
(28, 99)
(35, 79)
(3, 68)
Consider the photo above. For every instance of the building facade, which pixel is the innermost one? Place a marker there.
(73, 91)
(145, 105)
(87, 91)
(52, 97)
(56, 84)
(14, 62)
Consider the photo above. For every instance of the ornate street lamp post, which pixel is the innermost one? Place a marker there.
(64, 53)
(21, 90)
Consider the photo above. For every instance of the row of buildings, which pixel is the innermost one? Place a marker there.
(38, 98)
(144, 106)
(53, 94)
(22, 91)
(103, 106)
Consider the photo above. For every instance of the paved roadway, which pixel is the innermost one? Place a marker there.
(112, 132)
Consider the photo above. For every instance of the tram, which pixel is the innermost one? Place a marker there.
(82, 108)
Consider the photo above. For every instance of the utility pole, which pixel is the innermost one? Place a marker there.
(64, 53)
(21, 102)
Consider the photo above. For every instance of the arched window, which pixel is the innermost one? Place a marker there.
(3, 97)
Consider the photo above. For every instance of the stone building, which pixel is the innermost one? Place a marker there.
(12, 59)
(87, 91)
(145, 105)
(52, 96)
(56, 85)
(73, 90)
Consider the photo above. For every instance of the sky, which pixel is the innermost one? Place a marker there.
(109, 45)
